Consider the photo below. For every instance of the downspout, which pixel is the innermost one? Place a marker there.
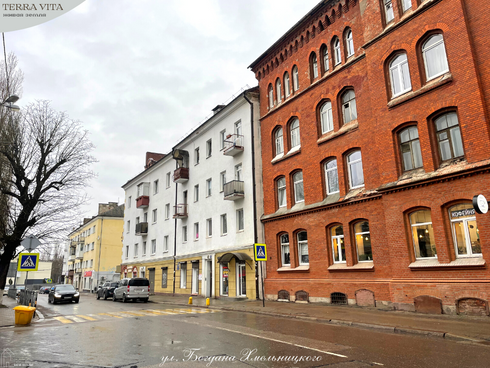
(254, 187)
(175, 232)
(100, 250)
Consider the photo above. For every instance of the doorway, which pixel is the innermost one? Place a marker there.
(195, 278)
(151, 276)
(209, 278)
(241, 280)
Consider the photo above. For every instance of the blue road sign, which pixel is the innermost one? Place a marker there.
(260, 252)
(28, 262)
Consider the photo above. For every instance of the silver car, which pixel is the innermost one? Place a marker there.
(137, 288)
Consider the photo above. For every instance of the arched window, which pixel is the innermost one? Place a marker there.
(278, 91)
(331, 177)
(400, 75)
(349, 43)
(423, 234)
(313, 66)
(281, 192)
(356, 175)
(299, 195)
(338, 246)
(325, 62)
(287, 85)
(271, 96)
(326, 117)
(349, 108)
(465, 231)
(434, 55)
(303, 248)
(336, 49)
(285, 254)
(363, 241)
(410, 148)
(295, 78)
(294, 133)
(279, 142)
(389, 13)
(449, 136)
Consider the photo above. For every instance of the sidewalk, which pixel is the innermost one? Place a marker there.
(7, 314)
(444, 326)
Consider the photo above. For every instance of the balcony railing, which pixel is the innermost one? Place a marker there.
(180, 211)
(141, 228)
(233, 145)
(233, 190)
(71, 257)
(79, 254)
(181, 175)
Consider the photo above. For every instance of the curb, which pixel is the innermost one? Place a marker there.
(369, 326)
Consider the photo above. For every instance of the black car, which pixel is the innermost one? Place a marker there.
(63, 293)
(107, 290)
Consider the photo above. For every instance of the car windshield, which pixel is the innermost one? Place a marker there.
(65, 288)
(114, 284)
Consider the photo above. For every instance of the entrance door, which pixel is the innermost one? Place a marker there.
(152, 280)
(209, 278)
(241, 279)
(225, 272)
(195, 278)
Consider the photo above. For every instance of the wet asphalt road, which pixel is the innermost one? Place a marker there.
(106, 334)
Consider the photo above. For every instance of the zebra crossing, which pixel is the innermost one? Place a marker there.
(119, 315)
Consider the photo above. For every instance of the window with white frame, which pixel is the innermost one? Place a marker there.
(363, 241)
(349, 43)
(389, 13)
(155, 187)
(326, 117)
(356, 175)
(466, 235)
(129, 202)
(324, 53)
(196, 156)
(423, 234)
(337, 52)
(222, 138)
(209, 148)
(449, 136)
(295, 78)
(400, 75)
(128, 226)
(349, 106)
(196, 193)
(238, 172)
(271, 96)
(278, 91)
(167, 211)
(314, 66)
(285, 253)
(145, 217)
(209, 227)
(281, 192)
(279, 143)
(153, 246)
(299, 195)
(434, 55)
(410, 148)
(167, 180)
(136, 250)
(154, 215)
(165, 243)
(208, 187)
(338, 246)
(287, 85)
(303, 248)
(127, 251)
(224, 224)
(183, 275)
(143, 250)
(196, 231)
(184, 234)
(222, 181)
(240, 224)
(331, 177)
(406, 4)
(294, 129)
(238, 128)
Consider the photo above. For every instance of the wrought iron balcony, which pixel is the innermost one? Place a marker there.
(181, 175)
(233, 190)
(142, 228)
(233, 145)
(180, 211)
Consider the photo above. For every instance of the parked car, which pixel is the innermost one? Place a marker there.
(107, 290)
(44, 289)
(6, 290)
(137, 288)
(63, 293)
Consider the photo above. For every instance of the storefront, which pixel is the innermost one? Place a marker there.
(236, 275)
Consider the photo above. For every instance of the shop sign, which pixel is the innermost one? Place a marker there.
(87, 274)
(463, 213)
(480, 204)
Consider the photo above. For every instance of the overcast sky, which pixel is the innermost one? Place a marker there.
(141, 74)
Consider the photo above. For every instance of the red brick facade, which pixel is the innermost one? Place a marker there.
(390, 194)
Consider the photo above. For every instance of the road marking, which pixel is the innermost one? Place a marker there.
(134, 314)
(110, 315)
(86, 317)
(63, 320)
(75, 319)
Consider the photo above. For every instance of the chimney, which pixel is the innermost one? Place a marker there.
(217, 109)
(152, 158)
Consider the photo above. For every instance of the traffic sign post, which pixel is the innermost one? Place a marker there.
(260, 252)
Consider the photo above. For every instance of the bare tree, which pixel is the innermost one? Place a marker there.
(49, 158)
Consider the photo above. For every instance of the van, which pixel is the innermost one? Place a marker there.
(137, 288)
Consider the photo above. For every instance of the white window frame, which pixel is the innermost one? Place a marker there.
(196, 193)
(279, 141)
(209, 227)
(168, 181)
(296, 191)
(281, 188)
(295, 134)
(143, 250)
(300, 248)
(397, 71)
(196, 231)
(327, 181)
(424, 56)
(127, 251)
(129, 202)
(349, 40)
(155, 186)
(278, 91)
(222, 181)
(314, 65)
(337, 52)
(128, 226)
(271, 96)
(326, 61)
(167, 211)
(295, 78)
(240, 220)
(340, 240)
(406, 5)
(389, 11)
(287, 85)
(184, 234)
(238, 172)
(224, 224)
(154, 216)
(283, 246)
(222, 136)
(135, 250)
(165, 243)
(196, 156)
(349, 168)
(326, 117)
(183, 276)
(209, 148)
(355, 238)
(417, 224)
(209, 189)
(153, 246)
(469, 250)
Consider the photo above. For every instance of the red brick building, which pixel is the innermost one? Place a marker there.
(375, 137)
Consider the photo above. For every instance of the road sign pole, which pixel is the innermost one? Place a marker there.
(262, 277)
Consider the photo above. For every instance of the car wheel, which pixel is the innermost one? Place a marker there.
(98, 296)
(124, 300)
(105, 296)
(145, 300)
(114, 298)
(49, 300)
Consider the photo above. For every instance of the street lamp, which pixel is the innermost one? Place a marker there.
(9, 103)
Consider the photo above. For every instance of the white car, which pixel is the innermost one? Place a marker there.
(6, 290)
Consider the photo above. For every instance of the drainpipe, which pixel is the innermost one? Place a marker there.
(254, 187)
(100, 250)
(175, 233)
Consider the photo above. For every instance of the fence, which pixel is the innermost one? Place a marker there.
(28, 297)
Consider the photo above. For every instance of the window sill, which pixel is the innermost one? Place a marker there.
(292, 152)
(361, 266)
(429, 86)
(460, 263)
(349, 127)
(304, 268)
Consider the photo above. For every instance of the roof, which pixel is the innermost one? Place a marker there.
(115, 212)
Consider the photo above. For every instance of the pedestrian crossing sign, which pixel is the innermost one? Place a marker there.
(28, 262)
(260, 252)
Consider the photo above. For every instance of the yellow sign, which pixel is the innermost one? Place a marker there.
(260, 252)
(28, 262)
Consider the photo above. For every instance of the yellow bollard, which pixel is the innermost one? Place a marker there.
(207, 302)
(190, 300)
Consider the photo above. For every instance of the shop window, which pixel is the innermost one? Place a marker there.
(410, 148)
(363, 241)
(423, 234)
(449, 136)
(466, 236)
(338, 245)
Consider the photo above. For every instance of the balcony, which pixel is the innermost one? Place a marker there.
(181, 175)
(233, 145)
(71, 257)
(141, 228)
(233, 190)
(79, 254)
(142, 202)
(180, 211)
